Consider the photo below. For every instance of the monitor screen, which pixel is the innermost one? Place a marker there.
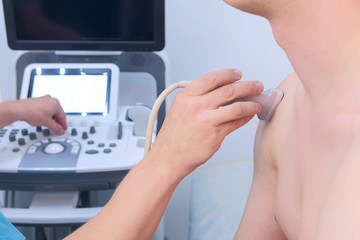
(79, 91)
(119, 25)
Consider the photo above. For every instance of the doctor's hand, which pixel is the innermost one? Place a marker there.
(42, 111)
(200, 117)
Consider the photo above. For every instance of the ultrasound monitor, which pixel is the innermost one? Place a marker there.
(90, 25)
(83, 90)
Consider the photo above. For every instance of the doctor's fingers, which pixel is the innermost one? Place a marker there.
(55, 127)
(231, 92)
(231, 126)
(211, 81)
(60, 118)
(234, 112)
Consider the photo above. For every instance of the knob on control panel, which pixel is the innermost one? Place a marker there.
(24, 132)
(12, 138)
(21, 141)
(32, 135)
(92, 130)
(73, 132)
(46, 132)
(84, 135)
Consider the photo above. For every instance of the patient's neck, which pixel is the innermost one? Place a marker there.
(325, 54)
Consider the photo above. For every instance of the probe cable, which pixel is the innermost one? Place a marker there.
(155, 110)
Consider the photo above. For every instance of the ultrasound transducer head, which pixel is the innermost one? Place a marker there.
(269, 101)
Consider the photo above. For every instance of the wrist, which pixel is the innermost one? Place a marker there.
(167, 165)
(16, 110)
(10, 112)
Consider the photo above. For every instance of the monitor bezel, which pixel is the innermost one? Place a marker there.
(137, 46)
(74, 72)
(113, 87)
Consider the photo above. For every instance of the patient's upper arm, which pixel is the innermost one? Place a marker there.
(259, 217)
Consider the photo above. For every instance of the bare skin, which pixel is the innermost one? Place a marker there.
(307, 168)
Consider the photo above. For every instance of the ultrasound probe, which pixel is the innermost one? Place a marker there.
(269, 101)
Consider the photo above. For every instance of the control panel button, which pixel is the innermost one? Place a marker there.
(70, 123)
(107, 150)
(14, 131)
(32, 150)
(16, 150)
(3, 131)
(75, 149)
(83, 123)
(91, 151)
(58, 139)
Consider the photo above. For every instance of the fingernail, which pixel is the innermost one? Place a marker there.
(238, 73)
(259, 86)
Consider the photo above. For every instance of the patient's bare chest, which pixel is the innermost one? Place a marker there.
(308, 162)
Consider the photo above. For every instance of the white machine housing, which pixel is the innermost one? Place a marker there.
(95, 152)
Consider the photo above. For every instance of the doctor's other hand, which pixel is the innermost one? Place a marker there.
(200, 117)
(41, 111)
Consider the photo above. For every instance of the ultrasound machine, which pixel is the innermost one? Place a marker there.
(102, 61)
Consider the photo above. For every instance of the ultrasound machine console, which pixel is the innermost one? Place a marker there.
(100, 136)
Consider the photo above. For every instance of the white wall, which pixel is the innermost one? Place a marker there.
(201, 36)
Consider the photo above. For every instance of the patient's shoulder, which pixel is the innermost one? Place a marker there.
(289, 84)
(283, 111)
(270, 132)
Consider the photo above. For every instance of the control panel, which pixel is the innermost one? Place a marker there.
(86, 146)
